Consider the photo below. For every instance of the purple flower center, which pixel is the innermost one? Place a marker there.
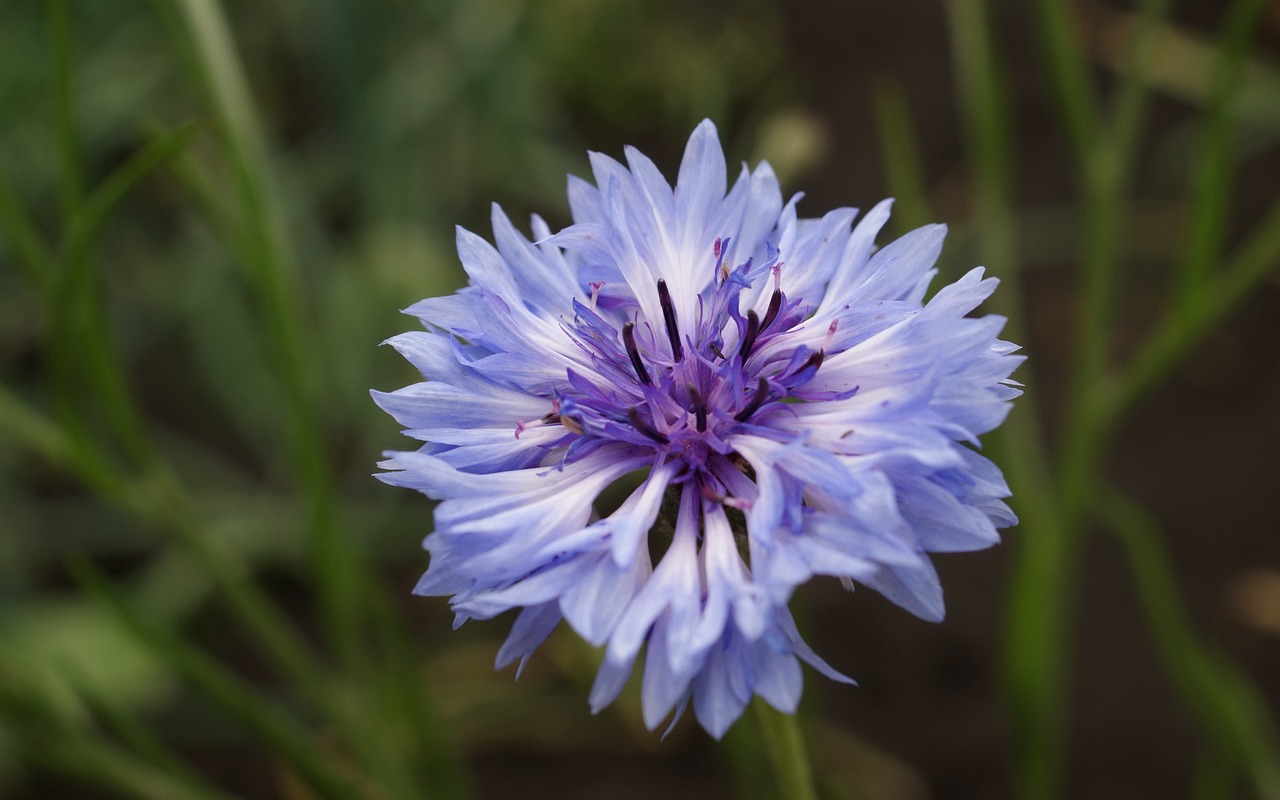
(683, 387)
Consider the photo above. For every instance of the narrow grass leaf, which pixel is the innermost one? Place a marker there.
(260, 715)
(901, 157)
(1229, 708)
(1068, 74)
(1211, 181)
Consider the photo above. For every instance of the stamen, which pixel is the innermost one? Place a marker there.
(715, 348)
(699, 408)
(641, 425)
(629, 339)
(762, 389)
(596, 286)
(749, 338)
(669, 317)
(721, 249)
(814, 361)
(549, 419)
(711, 494)
(775, 304)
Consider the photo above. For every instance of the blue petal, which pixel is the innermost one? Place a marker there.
(915, 588)
(595, 602)
(778, 678)
(530, 630)
(718, 699)
(610, 679)
(851, 273)
(701, 182)
(662, 687)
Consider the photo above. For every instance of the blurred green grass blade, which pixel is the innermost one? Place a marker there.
(1258, 256)
(1229, 708)
(901, 157)
(89, 220)
(65, 648)
(986, 116)
(227, 343)
(27, 247)
(1204, 305)
(340, 571)
(35, 432)
(43, 735)
(1131, 100)
(71, 177)
(1034, 671)
(96, 762)
(212, 207)
(161, 501)
(206, 42)
(403, 686)
(145, 743)
(226, 346)
(1181, 330)
(1068, 74)
(80, 345)
(1108, 169)
(275, 728)
(1035, 657)
(1214, 780)
(1211, 181)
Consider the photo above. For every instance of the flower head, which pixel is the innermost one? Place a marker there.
(792, 403)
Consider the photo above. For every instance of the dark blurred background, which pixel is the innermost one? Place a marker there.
(385, 124)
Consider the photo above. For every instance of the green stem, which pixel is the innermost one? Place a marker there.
(784, 745)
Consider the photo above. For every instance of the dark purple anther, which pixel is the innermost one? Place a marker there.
(809, 367)
(641, 425)
(750, 408)
(669, 317)
(749, 338)
(814, 361)
(629, 339)
(775, 304)
(699, 408)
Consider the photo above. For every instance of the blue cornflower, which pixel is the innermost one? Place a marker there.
(794, 405)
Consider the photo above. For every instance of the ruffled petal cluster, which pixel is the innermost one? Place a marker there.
(767, 398)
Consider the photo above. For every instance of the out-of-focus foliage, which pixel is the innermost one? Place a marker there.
(208, 214)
